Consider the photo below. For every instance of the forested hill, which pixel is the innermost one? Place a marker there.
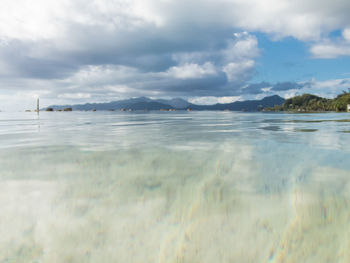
(313, 103)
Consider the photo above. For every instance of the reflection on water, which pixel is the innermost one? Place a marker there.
(271, 128)
(305, 130)
(304, 121)
(174, 187)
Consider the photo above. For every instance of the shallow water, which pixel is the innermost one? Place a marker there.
(174, 187)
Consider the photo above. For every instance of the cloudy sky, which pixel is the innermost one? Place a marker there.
(207, 51)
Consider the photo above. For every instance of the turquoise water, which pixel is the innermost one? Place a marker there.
(174, 187)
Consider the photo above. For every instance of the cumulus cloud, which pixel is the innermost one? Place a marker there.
(239, 57)
(236, 71)
(333, 48)
(242, 47)
(210, 100)
(192, 71)
(48, 18)
(330, 50)
(209, 72)
(119, 48)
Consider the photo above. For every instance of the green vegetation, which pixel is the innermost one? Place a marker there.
(313, 103)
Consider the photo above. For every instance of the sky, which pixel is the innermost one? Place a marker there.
(205, 51)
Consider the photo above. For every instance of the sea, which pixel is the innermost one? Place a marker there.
(174, 187)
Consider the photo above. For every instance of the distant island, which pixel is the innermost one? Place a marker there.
(275, 103)
(313, 103)
(147, 104)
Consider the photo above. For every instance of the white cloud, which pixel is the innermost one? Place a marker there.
(236, 60)
(229, 99)
(92, 75)
(346, 34)
(50, 19)
(239, 71)
(192, 71)
(267, 89)
(333, 49)
(118, 88)
(329, 88)
(239, 57)
(305, 20)
(330, 50)
(74, 96)
(290, 94)
(209, 100)
(244, 46)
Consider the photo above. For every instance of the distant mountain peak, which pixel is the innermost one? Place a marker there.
(144, 103)
(178, 103)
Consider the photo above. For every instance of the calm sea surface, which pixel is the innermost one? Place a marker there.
(184, 187)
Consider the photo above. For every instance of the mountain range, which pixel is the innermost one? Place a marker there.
(144, 103)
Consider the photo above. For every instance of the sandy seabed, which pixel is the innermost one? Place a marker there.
(170, 205)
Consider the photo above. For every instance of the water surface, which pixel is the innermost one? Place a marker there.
(174, 187)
